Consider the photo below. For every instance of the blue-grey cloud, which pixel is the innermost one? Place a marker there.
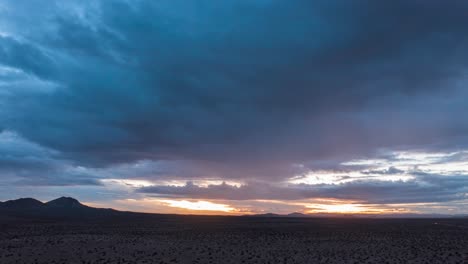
(426, 188)
(230, 89)
(24, 163)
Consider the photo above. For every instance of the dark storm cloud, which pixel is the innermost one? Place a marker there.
(225, 192)
(52, 178)
(24, 163)
(424, 189)
(26, 57)
(237, 88)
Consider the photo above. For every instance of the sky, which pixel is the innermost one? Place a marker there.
(236, 106)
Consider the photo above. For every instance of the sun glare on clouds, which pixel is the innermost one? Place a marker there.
(394, 166)
(199, 205)
(339, 208)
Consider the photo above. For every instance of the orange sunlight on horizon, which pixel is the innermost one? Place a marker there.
(214, 207)
(342, 208)
(199, 205)
(352, 208)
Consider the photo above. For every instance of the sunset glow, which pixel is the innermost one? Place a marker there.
(342, 208)
(236, 107)
(199, 205)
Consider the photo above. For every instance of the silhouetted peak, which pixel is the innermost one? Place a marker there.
(64, 202)
(266, 215)
(22, 203)
(297, 214)
(270, 214)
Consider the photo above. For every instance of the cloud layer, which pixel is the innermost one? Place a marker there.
(249, 91)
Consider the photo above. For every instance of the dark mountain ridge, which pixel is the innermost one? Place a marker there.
(31, 203)
(63, 207)
(71, 209)
(25, 203)
(65, 202)
(296, 214)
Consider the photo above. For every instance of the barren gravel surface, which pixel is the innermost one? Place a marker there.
(190, 239)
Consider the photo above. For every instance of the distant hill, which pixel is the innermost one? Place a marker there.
(291, 215)
(296, 214)
(71, 209)
(338, 215)
(64, 207)
(25, 203)
(265, 215)
(65, 202)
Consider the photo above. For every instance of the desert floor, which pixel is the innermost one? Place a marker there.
(190, 239)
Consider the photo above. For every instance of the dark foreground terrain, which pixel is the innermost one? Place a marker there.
(202, 239)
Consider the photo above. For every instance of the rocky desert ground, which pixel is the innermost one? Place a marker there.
(204, 239)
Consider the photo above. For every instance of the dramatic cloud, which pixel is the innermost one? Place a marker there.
(428, 188)
(279, 96)
(27, 163)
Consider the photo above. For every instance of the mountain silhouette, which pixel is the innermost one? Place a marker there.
(64, 207)
(296, 214)
(64, 202)
(25, 203)
(265, 215)
(72, 210)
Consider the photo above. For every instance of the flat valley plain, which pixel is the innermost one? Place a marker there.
(213, 239)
